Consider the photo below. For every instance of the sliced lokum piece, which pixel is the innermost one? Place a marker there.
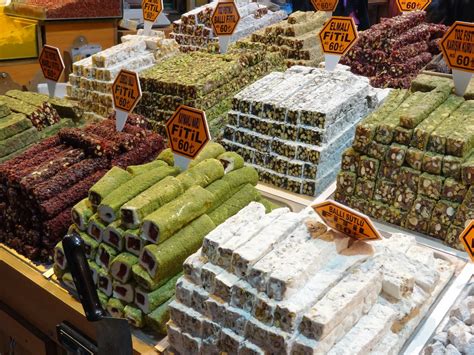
(158, 319)
(124, 292)
(121, 267)
(115, 307)
(431, 185)
(90, 246)
(451, 167)
(81, 213)
(95, 228)
(368, 168)
(396, 154)
(133, 242)
(105, 255)
(59, 257)
(105, 282)
(149, 301)
(432, 163)
(414, 158)
(134, 316)
(113, 235)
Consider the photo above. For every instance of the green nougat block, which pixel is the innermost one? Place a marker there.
(239, 177)
(452, 237)
(454, 190)
(165, 260)
(396, 155)
(444, 212)
(346, 182)
(145, 168)
(377, 150)
(211, 150)
(110, 205)
(109, 182)
(133, 242)
(451, 167)
(90, 246)
(103, 298)
(202, 174)
(350, 160)
(423, 131)
(467, 170)
(81, 214)
(461, 141)
(234, 204)
(231, 161)
(403, 135)
(13, 124)
(469, 198)
(221, 190)
(149, 301)
(142, 278)
(105, 255)
(105, 282)
(18, 141)
(426, 104)
(432, 163)
(113, 235)
(95, 228)
(134, 316)
(463, 216)
(158, 319)
(4, 109)
(167, 220)
(94, 270)
(59, 256)
(124, 292)
(115, 307)
(68, 281)
(368, 168)
(430, 185)
(58, 272)
(414, 158)
(425, 82)
(364, 188)
(134, 211)
(167, 156)
(121, 267)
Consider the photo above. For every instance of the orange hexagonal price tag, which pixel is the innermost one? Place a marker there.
(412, 5)
(347, 221)
(51, 63)
(457, 46)
(225, 18)
(467, 239)
(187, 131)
(151, 9)
(325, 5)
(126, 93)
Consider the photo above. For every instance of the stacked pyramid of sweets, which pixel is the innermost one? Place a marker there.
(201, 80)
(91, 80)
(140, 224)
(194, 30)
(27, 117)
(40, 186)
(281, 283)
(393, 51)
(292, 128)
(296, 38)
(412, 161)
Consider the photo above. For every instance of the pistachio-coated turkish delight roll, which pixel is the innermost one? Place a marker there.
(121, 267)
(221, 191)
(103, 298)
(234, 204)
(68, 281)
(94, 271)
(95, 228)
(145, 168)
(167, 156)
(133, 242)
(110, 205)
(142, 278)
(164, 222)
(239, 177)
(202, 174)
(149, 301)
(231, 161)
(113, 235)
(109, 182)
(158, 319)
(134, 211)
(115, 307)
(81, 213)
(124, 292)
(105, 255)
(211, 150)
(90, 246)
(134, 316)
(164, 260)
(105, 282)
(59, 256)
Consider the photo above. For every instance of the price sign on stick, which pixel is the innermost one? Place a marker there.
(337, 36)
(412, 5)
(467, 239)
(52, 66)
(188, 133)
(457, 46)
(225, 19)
(151, 10)
(347, 221)
(325, 5)
(126, 92)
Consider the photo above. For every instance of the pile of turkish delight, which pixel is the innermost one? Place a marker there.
(91, 80)
(282, 283)
(392, 52)
(201, 80)
(412, 161)
(66, 9)
(456, 333)
(292, 128)
(26, 118)
(296, 38)
(194, 30)
(140, 224)
(39, 187)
